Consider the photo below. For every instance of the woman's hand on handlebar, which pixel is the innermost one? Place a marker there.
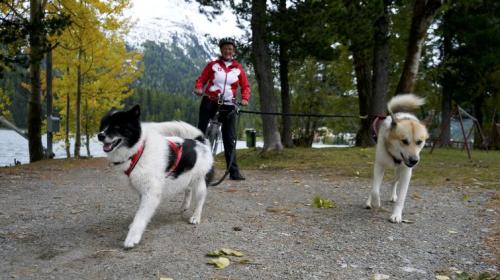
(198, 91)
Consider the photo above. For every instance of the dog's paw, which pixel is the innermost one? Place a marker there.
(194, 220)
(394, 198)
(372, 203)
(185, 213)
(185, 207)
(131, 240)
(396, 218)
(184, 210)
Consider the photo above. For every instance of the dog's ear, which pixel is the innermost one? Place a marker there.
(135, 111)
(394, 123)
(111, 112)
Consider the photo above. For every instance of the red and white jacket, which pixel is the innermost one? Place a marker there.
(224, 77)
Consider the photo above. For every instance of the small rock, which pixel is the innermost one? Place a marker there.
(237, 228)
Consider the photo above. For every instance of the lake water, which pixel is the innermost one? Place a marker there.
(14, 146)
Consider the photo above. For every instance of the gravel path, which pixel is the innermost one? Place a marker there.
(68, 219)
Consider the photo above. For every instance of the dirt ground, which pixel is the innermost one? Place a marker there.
(68, 220)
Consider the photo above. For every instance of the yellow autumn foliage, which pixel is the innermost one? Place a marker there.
(93, 48)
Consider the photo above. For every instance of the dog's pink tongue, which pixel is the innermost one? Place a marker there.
(107, 147)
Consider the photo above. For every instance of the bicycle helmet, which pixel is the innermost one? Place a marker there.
(226, 41)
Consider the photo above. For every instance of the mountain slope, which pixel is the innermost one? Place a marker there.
(163, 21)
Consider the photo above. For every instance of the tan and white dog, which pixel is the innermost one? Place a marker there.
(400, 139)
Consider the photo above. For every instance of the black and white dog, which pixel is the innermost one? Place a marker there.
(159, 159)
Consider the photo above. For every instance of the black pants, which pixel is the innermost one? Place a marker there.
(227, 116)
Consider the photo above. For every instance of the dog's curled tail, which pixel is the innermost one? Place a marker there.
(177, 128)
(404, 103)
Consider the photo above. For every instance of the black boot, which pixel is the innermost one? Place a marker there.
(236, 176)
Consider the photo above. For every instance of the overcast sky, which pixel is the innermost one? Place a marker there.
(180, 11)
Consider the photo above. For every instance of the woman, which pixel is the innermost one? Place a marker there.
(222, 77)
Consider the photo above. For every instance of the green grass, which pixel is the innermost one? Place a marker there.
(443, 166)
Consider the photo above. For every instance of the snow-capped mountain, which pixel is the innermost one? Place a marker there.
(179, 22)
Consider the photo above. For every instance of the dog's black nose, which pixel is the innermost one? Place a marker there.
(101, 136)
(412, 161)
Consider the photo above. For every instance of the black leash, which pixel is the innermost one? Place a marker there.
(299, 114)
(236, 111)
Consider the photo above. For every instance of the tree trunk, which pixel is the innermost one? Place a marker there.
(380, 80)
(87, 132)
(423, 14)
(48, 82)
(263, 73)
(78, 105)
(447, 92)
(363, 85)
(66, 128)
(34, 105)
(286, 121)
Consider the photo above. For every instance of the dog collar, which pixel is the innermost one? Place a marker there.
(178, 154)
(133, 159)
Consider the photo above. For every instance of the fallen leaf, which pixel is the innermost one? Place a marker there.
(276, 209)
(442, 277)
(408, 221)
(220, 262)
(416, 196)
(320, 202)
(166, 278)
(231, 252)
(217, 253)
(225, 252)
(452, 231)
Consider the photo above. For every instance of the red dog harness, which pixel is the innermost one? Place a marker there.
(178, 153)
(134, 159)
